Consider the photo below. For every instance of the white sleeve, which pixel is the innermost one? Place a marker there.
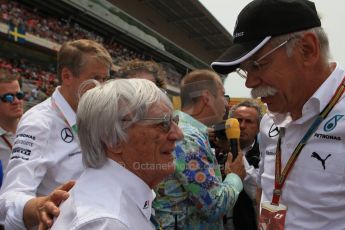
(249, 182)
(262, 152)
(26, 168)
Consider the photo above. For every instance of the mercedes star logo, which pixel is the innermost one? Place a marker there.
(67, 135)
(274, 131)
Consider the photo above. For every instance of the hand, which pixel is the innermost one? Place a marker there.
(236, 167)
(48, 206)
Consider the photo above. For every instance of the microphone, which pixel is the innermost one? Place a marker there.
(232, 131)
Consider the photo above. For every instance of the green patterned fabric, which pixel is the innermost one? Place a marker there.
(195, 197)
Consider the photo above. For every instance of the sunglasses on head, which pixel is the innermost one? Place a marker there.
(9, 97)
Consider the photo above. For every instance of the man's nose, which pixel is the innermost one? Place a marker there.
(175, 132)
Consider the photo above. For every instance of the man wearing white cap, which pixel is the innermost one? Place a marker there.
(282, 51)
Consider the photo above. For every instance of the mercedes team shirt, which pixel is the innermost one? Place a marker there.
(45, 154)
(314, 191)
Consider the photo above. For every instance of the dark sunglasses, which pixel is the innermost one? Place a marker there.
(165, 121)
(9, 97)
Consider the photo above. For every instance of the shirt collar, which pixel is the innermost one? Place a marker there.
(136, 188)
(185, 118)
(64, 108)
(248, 148)
(324, 94)
(4, 132)
(316, 103)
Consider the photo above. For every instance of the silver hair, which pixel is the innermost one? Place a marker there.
(106, 111)
(250, 104)
(318, 31)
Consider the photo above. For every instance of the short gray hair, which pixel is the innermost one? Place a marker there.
(250, 104)
(107, 111)
(318, 31)
(195, 82)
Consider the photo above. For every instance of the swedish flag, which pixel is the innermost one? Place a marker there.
(17, 33)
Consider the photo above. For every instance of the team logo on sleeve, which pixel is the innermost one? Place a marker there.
(274, 131)
(67, 135)
(332, 123)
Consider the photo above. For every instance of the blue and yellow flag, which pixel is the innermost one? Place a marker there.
(16, 33)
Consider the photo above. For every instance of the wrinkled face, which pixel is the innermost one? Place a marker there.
(12, 110)
(148, 152)
(248, 119)
(278, 79)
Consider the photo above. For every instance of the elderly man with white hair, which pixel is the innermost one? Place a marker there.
(127, 133)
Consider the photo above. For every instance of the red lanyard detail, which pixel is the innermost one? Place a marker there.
(6, 141)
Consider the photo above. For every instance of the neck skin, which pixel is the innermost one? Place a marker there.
(199, 112)
(10, 125)
(313, 81)
(69, 97)
(245, 144)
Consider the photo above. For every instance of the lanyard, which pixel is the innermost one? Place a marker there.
(280, 176)
(6, 141)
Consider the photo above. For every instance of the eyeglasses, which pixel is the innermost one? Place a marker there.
(9, 97)
(165, 121)
(256, 65)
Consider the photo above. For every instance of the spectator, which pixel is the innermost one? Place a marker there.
(149, 70)
(46, 152)
(283, 52)
(34, 93)
(11, 107)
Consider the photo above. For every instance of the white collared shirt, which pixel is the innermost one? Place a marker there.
(110, 197)
(5, 150)
(315, 188)
(249, 182)
(45, 154)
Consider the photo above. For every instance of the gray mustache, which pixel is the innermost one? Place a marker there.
(263, 91)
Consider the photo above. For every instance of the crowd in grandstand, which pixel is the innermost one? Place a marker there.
(60, 30)
(40, 79)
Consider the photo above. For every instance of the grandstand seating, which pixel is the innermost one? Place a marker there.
(58, 30)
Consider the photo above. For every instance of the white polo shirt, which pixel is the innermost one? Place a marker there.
(5, 150)
(45, 154)
(110, 197)
(314, 191)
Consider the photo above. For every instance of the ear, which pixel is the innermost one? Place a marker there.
(66, 76)
(114, 151)
(310, 49)
(205, 97)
